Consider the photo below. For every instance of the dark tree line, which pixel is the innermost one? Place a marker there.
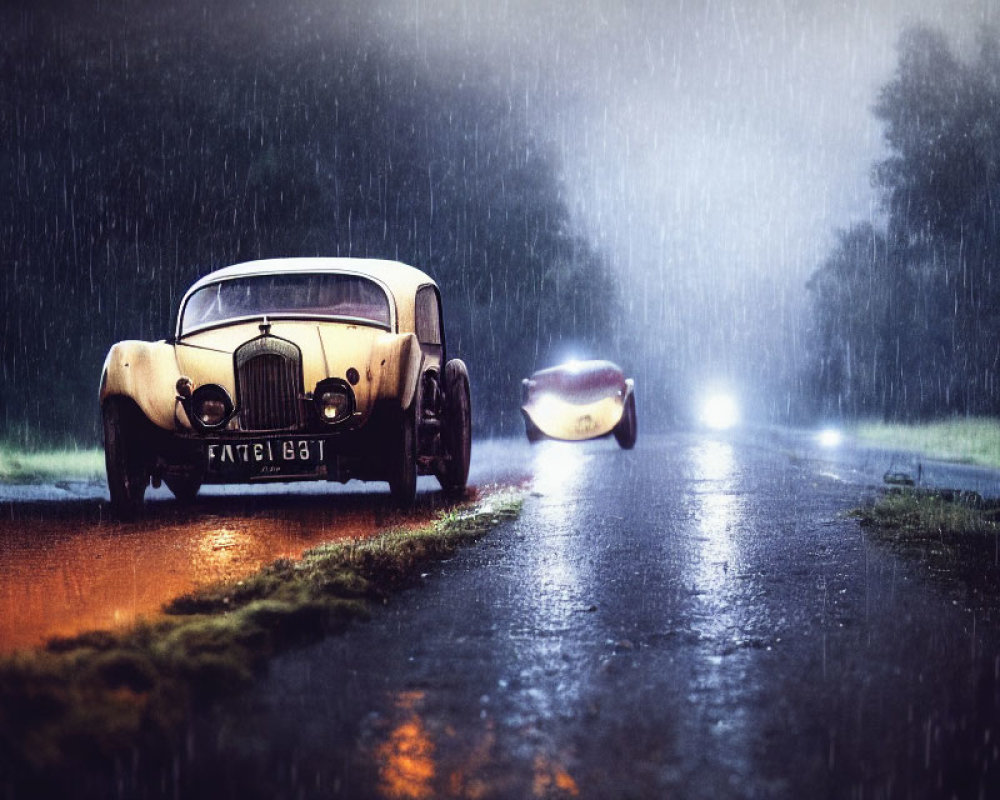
(907, 318)
(142, 145)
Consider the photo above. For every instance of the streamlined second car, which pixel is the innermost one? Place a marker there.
(580, 400)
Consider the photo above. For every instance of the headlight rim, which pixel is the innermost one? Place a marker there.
(206, 392)
(340, 386)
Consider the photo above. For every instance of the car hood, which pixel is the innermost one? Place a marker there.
(328, 349)
(147, 372)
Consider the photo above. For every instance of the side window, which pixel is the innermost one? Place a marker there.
(428, 314)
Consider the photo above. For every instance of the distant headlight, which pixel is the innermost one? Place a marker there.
(334, 401)
(211, 406)
(830, 437)
(720, 412)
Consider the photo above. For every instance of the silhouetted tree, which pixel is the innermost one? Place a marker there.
(930, 289)
(144, 144)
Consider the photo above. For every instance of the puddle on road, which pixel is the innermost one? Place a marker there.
(407, 756)
(66, 569)
(422, 757)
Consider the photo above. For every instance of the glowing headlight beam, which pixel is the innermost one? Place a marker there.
(829, 437)
(720, 412)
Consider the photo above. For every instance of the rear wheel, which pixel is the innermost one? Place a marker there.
(403, 463)
(627, 427)
(127, 474)
(457, 433)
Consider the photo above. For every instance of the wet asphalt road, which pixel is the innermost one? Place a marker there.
(695, 618)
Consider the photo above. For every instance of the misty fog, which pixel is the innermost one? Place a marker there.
(705, 155)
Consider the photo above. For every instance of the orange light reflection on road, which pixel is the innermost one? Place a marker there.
(407, 756)
(64, 574)
(551, 779)
(420, 758)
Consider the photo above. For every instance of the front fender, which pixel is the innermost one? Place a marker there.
(395, 368)
(146, 372)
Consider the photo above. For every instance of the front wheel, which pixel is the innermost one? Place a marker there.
(127, 475)
(403, 462)
(627, 427)
(457, 432)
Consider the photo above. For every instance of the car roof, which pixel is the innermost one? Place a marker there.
(397, 276)
(401, 280)
(586, 367)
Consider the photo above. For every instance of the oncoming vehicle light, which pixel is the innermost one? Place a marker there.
(334, 401)
(720, 412)
(830, 437)
(210, 406)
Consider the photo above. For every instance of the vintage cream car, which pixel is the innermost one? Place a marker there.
(290, 369)
(580, 400)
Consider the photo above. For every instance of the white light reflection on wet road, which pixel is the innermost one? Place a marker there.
(558, 467)
(717, 612)
(716, 513)
(552, 596)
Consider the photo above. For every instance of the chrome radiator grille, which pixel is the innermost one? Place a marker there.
(268, 384)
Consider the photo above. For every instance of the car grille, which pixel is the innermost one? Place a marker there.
(268, 384)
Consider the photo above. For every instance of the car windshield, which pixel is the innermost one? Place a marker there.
(297, 295)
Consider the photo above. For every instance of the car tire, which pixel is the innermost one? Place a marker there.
(532, 431)
(183, 488)
(457, 432)
(627, 428)
(127, 475)
(403, 464)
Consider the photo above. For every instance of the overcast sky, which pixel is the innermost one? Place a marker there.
(743, 121)
(712, 147)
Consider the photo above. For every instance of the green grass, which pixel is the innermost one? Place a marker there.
(972, 440)
(916, 515)
(953, 536)
(100, 695)
(18, 465)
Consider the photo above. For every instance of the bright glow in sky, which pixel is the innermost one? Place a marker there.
(711, 147)
(698, 136)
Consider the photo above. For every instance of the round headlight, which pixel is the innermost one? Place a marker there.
(210, 406)
(334, 402)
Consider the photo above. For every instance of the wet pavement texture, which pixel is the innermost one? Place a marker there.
(696, 618)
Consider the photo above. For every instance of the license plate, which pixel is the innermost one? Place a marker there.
(266, 457)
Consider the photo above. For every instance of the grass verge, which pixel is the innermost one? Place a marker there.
(97, 697)
(955, 535)
(919, 515)
(971, 440)
(27, 466)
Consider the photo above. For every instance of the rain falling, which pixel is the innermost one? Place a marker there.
(733, 231)
(673, 175)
